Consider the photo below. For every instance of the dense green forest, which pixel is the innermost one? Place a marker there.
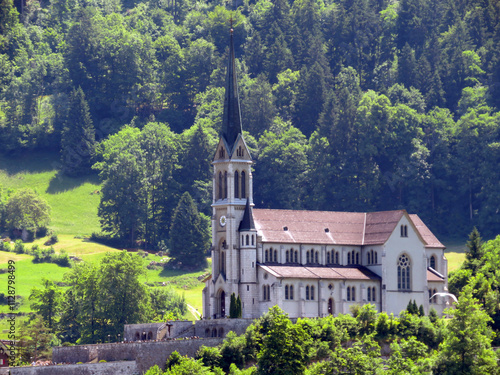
(348, 104)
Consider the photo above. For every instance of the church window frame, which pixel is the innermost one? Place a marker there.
(369, 294)
(348, 293)
(286, 291)
(247, 242)
(236, 184)
(374, 295)
(291, 292)
(336, 257)
(223, 262)
(357, 258)
(353, 293)
(316, 257)
(243, 184)
(432, 262)
(404, 230)
(253, 240)
(287, 256)
(327, 257)
(376, 257)
(312, 292)
(221, 193)
(275, 256)
(307, 257)
(348, 258)
(307, 292)
(404, 272)
(266, 256)
(225, 184)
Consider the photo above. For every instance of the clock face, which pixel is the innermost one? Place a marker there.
(222, 221)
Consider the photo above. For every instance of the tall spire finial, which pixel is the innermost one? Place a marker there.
(231, 122)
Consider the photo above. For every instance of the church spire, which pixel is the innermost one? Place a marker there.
(231, 122)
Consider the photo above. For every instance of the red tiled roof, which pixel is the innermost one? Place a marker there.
(303, 272)
(429, 238)
(330, 227)
(434, 276)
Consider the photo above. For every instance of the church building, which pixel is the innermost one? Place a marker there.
(309, 263)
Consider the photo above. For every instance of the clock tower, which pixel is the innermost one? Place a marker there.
(232, 201)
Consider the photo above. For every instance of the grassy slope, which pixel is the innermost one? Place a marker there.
(74, 213)
(74, 206)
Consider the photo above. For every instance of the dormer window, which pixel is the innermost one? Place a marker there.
(221, 153)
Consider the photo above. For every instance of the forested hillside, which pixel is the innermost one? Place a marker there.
(349, 104)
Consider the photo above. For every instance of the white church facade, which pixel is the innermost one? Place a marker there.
(309, 263)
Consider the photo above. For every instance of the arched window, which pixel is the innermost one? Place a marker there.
(328, 257)
(337, 257)
(357, 258)
(348, 293)
(296, 256)
(404, 273)
(264, 293)
(247, 238)
(433, 262)
(316, 258)
(275, 256)
(368, 258)
(348, 258)
(221, 194)
(253, 240)
(243, 185)
(221, 153)
(287, 256)
(225, 184)
(353, 292)
(369, 294)
(373, 295)
(307, 256)
(376, 258)
(266, 259)
(291, 291)
(223, 262)
(312, 292)
(268, 292)
(286, 291)
(236, 184)
(307, 292)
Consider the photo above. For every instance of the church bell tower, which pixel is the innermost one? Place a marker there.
(232, 194)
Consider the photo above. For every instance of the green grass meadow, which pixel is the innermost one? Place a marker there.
(74, 201)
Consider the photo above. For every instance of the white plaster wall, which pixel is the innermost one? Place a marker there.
(414, 248)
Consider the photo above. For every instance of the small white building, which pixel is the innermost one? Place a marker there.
(309, 263)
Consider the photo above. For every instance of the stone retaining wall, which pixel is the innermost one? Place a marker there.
(113, 368)
(145, 354)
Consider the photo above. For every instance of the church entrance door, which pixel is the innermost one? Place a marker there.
(223, 304)
(330, 306)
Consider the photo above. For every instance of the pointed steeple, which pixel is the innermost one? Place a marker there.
(231, 122)
(247, 222)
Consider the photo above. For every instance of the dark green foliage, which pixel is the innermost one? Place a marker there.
(78, 137)
(167, 304)
(232, 306)
(210, 357)
(46, 302)
(188, 237)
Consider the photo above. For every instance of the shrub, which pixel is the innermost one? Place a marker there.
(19, 247)
(61, 259)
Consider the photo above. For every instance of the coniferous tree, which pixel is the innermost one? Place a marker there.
(78, 137)
(233, 308)
(188, 238)
(238, 307)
